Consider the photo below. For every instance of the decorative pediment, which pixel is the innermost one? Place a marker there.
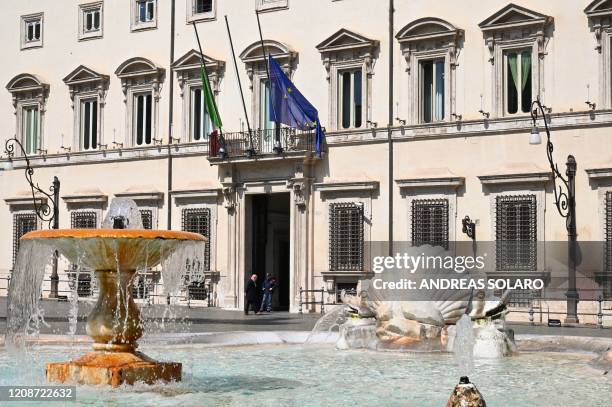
(84, 79)
(83, 74)
(344, 40)
(428, 28)
(27, 86)
(26, 82)
(599, 8)
(187, 68)
(140, 71)
(192, 60)
(513, 16)
(599, 14)
(278, 50)
(138, 66)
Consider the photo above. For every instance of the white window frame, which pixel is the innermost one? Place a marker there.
(192, 15)
(529, 31)
(23, 137)
(82, 101)
(340, 99)
(433, 96)
(85, 9)
(28, 19)
(134, 112)
(354, 52)
(206, 124)
(519, 52)
(271, 5)
(135, 23)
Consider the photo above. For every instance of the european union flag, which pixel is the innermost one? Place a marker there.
(290, 107)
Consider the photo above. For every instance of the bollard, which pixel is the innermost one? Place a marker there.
(600, 312)
(322, 300)
(300, 309)
(531, 312)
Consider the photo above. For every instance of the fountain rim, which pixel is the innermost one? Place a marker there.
(113, 234)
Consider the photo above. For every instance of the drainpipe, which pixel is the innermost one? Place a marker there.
(170, 114)
(390, 124)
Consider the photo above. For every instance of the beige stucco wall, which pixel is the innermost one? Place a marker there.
(467, 150)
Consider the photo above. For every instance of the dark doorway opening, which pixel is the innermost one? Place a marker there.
(270, 245)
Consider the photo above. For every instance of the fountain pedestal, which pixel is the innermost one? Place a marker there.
(115, 325)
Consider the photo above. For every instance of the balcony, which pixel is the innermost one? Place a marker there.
(267, 144)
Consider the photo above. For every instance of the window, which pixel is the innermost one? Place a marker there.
(89, 124)
(200, 121)
(90, 21)
(272, 5)
(144, 14)
(22, 224)
(346, 236)
(351, 99)
(197, 220)
(264, 106)
(29, 129)
(32, 31)
(147, 218)
(146, 10)
(203, 6)
(430, 222)
(432, 91)
(515, 233)
(83, 220)
(518, 82)
(143, 123)
(516, 39)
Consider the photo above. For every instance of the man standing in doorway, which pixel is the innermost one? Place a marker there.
(268, 290)
(250, 295)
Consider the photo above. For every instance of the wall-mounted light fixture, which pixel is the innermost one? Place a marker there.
(469, 227)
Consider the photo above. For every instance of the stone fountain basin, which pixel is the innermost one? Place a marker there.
(112, 249)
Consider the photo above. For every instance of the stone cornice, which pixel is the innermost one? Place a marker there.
(142, 196)
(597, 174)
(349, 186)
(470, 128)
(198, 193)
(450, 182)
(524, 178)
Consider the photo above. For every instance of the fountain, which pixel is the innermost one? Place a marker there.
(114, 252)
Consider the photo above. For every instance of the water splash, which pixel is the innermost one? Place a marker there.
(463, 346)
(126, 209)
(24, 314)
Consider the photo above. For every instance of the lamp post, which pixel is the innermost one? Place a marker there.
(565, 201)
(46, 211)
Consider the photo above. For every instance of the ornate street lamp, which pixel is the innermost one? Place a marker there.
(565, 201)
(47, 211)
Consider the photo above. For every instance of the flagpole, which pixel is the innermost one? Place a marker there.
(202, 62)
(246, 116)
(263, 52)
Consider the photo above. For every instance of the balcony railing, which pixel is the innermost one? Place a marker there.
(261, 142)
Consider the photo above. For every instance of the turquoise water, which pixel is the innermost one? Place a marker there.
(319, 375)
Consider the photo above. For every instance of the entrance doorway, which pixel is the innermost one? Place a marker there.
(269, 246)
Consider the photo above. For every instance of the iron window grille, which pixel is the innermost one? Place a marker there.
(346, 236)
(523, 298)
(146, 215)
(430, 222)
(22, 224)
(82, 277)
(84, 220)
(197, 220)
(516, 233)
(607, 280)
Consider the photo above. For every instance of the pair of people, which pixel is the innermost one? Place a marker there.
(250, 301)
